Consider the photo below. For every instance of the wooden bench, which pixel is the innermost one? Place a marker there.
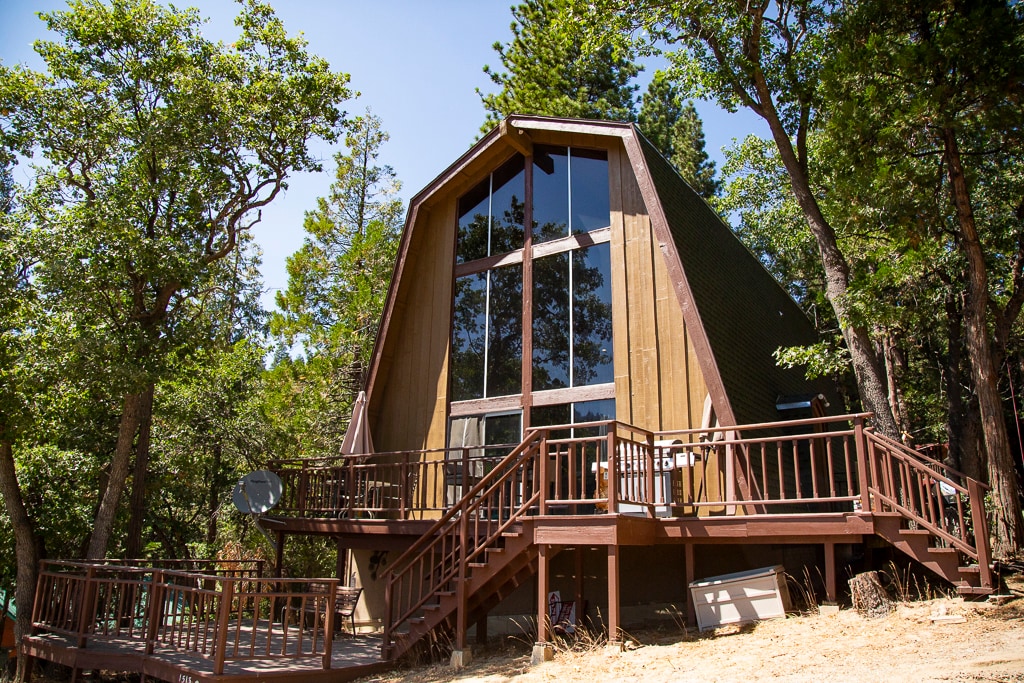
(345, 600)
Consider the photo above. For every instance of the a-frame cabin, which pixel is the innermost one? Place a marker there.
(574, 389)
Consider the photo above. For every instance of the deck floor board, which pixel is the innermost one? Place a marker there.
(351, 657)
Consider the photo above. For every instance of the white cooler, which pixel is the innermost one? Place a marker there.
(741, 597)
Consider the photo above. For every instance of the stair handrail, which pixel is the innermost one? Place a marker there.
(951, 474)
(939, 472)
(451, 523)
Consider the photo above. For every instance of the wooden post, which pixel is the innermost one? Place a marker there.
(862, 463)
(350, 487)
(460, 657)
(652, 498)
(542, 650)
(303, 486)
(279, 555)
(981, 540)
(730, 473)
(613, 473)
(88, 605)
(544, 473)
(223, 614)
(330, 601)
(155, 610)
(830, 571)
(579, 586)
(613, 595)
(691, 573)
(341, 562)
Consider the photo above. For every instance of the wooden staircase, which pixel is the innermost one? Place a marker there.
(488, 582)
(472, 558)
(931, 513)
(920, 544)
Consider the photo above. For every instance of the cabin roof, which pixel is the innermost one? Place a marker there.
(738, 314)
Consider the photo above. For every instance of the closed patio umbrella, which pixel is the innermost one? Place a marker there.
(357, 438)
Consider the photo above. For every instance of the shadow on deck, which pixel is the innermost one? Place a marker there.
(351, 658)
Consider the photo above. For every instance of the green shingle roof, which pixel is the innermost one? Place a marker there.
(744, 312)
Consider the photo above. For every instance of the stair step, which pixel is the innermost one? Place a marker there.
(496, 551)
(416, 620)
(915, 532)
(974, 590)
(970, 569)
(943, 551)
(444, 594)
(431, 608)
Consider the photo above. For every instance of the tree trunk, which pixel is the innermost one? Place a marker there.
(962, 419)
(895, 370)
(25, 545)
(1002, 477)
(133, 545)
(131, 417)
(866, 368)
(870, 598)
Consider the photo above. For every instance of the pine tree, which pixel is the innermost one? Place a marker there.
(337, 283)
(675, 128)
(550, 70)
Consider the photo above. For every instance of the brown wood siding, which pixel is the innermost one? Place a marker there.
(744, 313)
(409, 400)
(658, 383)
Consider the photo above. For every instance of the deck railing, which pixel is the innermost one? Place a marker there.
(396, 485)
(220, 616)
(935, 497)
(811, 465)
(814, 465)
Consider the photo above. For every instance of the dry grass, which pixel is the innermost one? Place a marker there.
(908, 645)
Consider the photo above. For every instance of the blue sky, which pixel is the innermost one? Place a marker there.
(417, 65)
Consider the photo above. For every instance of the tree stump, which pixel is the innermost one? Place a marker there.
(870, 598)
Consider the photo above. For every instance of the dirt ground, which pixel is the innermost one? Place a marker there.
(920, 641)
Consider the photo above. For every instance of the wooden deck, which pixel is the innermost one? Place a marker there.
(469, 527)
(179, 625)
(351, 657)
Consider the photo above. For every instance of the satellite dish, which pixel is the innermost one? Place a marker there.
(257, 492)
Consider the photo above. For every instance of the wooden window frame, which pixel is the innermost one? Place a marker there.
(525, 256)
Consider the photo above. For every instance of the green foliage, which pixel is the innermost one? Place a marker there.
(825, 359)
(160, 147)
(60, 488)
(549, 69)
(770, 223)
(208, 431)
(676, 130)
(127, 261)
(337, 285)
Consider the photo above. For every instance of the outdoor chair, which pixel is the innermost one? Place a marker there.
(345, 600)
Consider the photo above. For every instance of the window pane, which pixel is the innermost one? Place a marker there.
(544, 416)
(591, 208)
(551, 322)
(507, 203)
(473, 218)
(550, 193)
(592, 316)
(503, 429)
(592, 411)
(468, 337)
(505, 340)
